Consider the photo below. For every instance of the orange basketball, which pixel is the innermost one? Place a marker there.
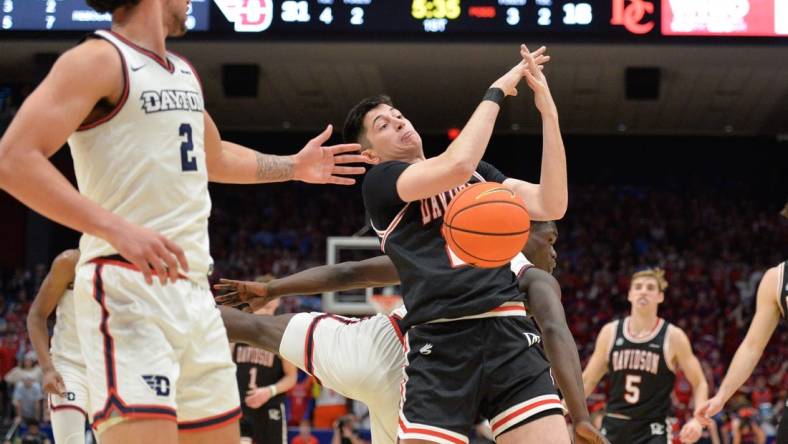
(486, 225)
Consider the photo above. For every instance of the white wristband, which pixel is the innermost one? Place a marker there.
(272, 387)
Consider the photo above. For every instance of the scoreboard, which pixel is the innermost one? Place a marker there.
(651, 20)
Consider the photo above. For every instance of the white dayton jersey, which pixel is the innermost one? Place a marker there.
(361, 359)
(68, 361)
(145, 161)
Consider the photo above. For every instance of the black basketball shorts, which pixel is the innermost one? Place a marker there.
(266, 425)
(489, 367)
(636, 431)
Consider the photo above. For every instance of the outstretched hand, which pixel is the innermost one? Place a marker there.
(243, 292)
(536, 80)
(316, 163)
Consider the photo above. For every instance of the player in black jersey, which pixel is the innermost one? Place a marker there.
(641, 353)
(772, 302)
(263, 378)
(463, 359)
(380, 271)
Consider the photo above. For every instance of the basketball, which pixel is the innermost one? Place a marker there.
(486, 225)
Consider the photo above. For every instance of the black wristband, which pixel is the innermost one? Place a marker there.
(494, 95)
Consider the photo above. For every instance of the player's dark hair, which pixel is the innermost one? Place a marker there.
(354, 122)
(110, 5)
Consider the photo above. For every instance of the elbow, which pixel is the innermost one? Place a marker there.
(556, 208)
(463, 169)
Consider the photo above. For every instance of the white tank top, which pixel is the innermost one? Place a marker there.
(145, 161)
(65, 342)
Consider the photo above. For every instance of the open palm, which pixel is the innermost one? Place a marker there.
(316, 163)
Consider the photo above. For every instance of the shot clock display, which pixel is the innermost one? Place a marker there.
(479, 20)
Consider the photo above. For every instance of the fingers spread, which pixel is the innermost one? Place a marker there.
(344, 148)
(337, 180)
(348, 170)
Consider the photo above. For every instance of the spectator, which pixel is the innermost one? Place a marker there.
(305, 435)
(27, 400)
(33, 435)
(28, 369)
(345, 431)
(329, 407)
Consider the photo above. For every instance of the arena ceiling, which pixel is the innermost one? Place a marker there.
(704, 89)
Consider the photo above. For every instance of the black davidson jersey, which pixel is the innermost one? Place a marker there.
(641, 380)
(435, 283)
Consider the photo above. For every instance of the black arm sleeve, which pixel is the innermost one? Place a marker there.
(490, 173)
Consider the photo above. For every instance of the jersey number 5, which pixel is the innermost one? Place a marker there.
(632, 394)
(188, 159)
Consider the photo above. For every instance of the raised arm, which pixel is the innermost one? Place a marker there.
(56, 282)
(456, 165)
(544, 302)
(78, 81)
(547, 200)
(692, 369)
(375, 272)
(597, 365)
(767, 316)
(232, 163)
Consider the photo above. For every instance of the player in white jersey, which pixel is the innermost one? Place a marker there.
(363, 358)
(144, 150)
(64, 372)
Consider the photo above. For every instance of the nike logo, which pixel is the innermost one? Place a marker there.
(188, 73)
(137, 68)
(426, 350)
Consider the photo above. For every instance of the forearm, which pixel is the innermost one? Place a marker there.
(553, 181)
(32, 179)
(744, 362)
(700, 392)
(469, 147)
(337, 277)
(39, 339)
(240, 165)
(286, 383)
(560, 348)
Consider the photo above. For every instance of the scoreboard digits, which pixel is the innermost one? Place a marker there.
(402, 19)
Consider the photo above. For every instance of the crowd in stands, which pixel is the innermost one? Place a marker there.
(715, 245)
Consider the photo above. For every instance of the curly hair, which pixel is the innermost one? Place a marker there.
(656, 273)
(110, 5)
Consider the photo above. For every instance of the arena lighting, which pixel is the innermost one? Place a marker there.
(452, 133)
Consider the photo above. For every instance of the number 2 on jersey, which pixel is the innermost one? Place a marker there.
(188, 159)
(631, 388)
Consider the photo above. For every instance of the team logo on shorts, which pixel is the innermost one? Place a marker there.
(274, 414)
(657, 428)
(532, 338)
(159, 384)
(426, 350)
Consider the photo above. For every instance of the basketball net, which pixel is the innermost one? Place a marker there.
(385, 303)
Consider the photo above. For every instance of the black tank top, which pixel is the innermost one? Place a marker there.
(257, 368)
(641, 381)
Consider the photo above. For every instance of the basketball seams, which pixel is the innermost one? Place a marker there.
(449, 227)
